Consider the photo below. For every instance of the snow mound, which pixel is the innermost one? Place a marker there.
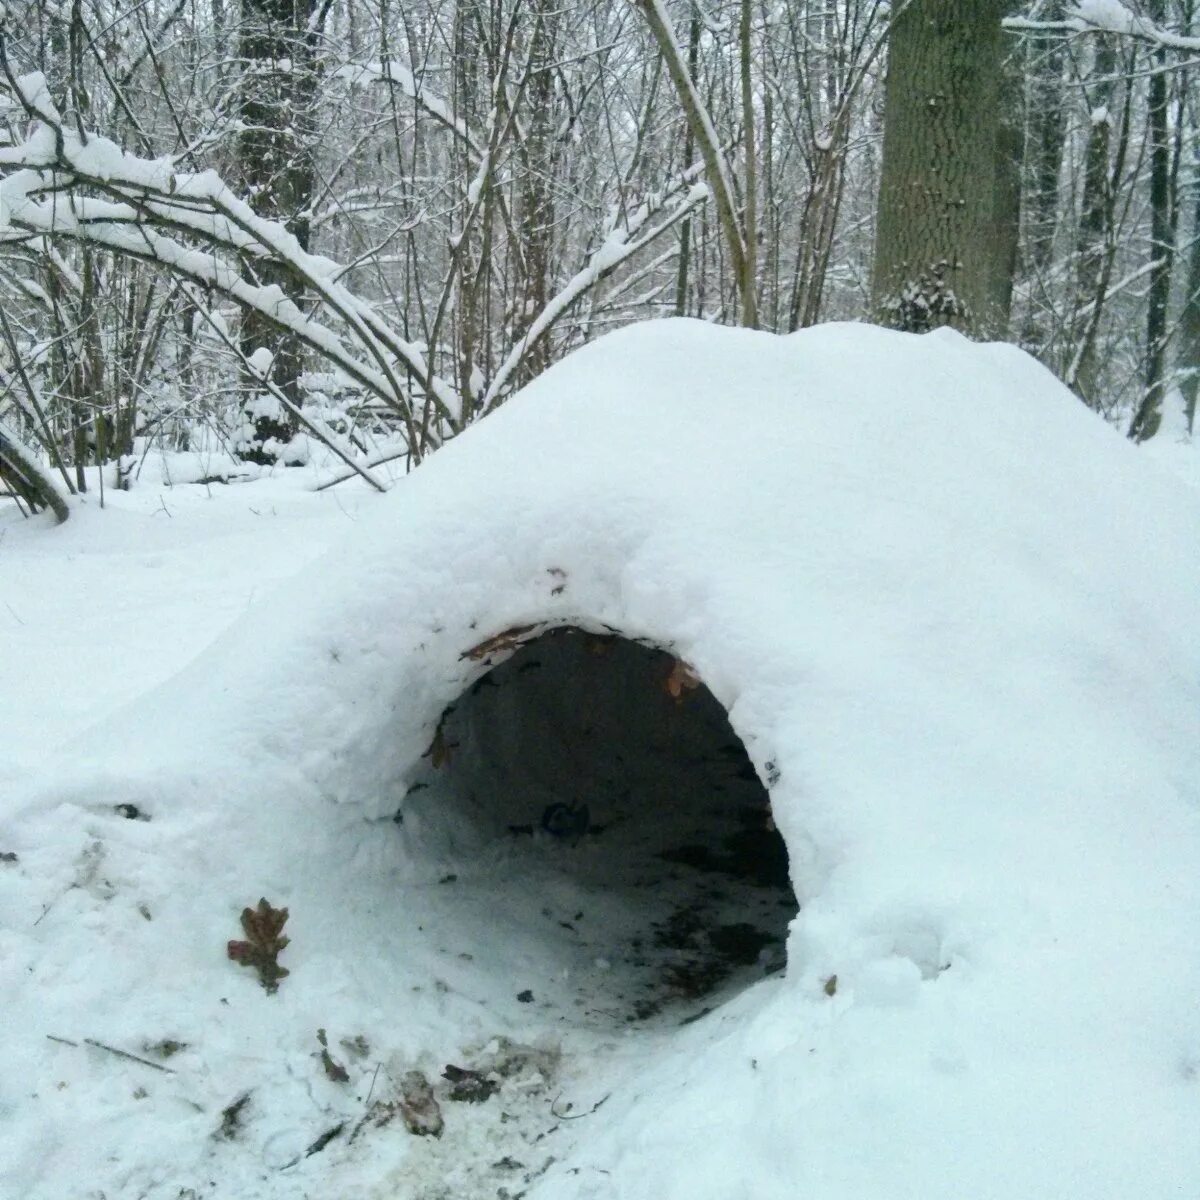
(952, 618)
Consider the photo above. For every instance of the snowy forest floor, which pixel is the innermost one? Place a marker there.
(527, 959)
(597, 943)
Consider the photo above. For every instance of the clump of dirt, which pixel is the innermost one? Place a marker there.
(468, 1086)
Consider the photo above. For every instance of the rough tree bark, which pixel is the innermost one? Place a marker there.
(1189, 318)
(1148, 416)
(277, 43)
(938, 243)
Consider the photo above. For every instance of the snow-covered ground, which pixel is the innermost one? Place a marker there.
(953, 621)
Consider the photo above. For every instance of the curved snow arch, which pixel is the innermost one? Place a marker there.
(914, 568)
(603, 767)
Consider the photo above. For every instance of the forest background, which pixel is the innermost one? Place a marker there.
(239, 227)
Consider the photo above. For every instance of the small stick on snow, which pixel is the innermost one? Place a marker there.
(390, 456)
(132, 1057)
(577, 1116)
(51, 903)
(113, 1050)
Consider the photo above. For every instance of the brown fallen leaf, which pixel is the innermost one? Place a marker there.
(420, 1110)
(264, 941)
(831, 986)
(503, 642)
(682, 678)
(440, 750)
(333, 1069)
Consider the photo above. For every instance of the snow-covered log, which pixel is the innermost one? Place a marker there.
(22, 470)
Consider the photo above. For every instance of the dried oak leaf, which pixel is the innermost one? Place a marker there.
(264, 941)
(508, 640)
(440, 751)
(421, 1112)
(333, 1069)
(681, 679)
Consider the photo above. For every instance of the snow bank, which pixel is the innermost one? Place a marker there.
(952, 616)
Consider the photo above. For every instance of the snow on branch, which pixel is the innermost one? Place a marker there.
(624, 241)
(401, 76)
(1107, 16)
(21, 470)
(262, 371)
(62, 183)
(702, 126)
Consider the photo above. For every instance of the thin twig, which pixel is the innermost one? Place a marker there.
(577, 1116)
(132, 1057)
(374, 462)
(112, 1050)
(51, 903)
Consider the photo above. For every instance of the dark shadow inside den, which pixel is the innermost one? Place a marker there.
(588, 766)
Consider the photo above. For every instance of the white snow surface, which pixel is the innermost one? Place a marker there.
(953, 618)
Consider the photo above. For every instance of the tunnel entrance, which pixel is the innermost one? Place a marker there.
(593, 789)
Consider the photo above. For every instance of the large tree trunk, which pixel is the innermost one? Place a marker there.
(938, 246)
(275, 154)
(1162, 245)
(1189, 321)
